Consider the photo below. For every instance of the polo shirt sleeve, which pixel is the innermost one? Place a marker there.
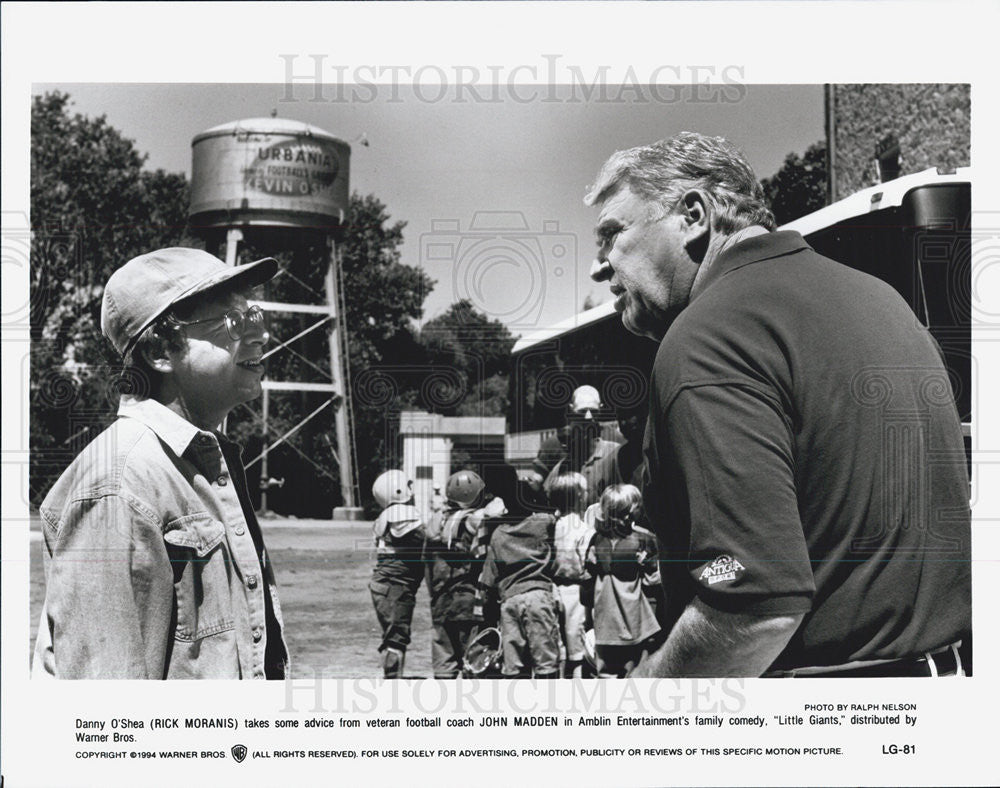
(746, 552)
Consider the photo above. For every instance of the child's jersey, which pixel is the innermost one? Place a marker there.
(451, 569)
(626, 586)
(519, 557)
(572, 536)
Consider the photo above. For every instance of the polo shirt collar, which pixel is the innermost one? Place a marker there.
(765, 246)
(175, 431)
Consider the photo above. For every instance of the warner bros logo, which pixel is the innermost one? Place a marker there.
(239, 752)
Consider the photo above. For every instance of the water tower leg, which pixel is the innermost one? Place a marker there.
(233, 237)
(350, 510)
(263, 455)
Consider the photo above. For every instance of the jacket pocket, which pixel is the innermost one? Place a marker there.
(199, 556)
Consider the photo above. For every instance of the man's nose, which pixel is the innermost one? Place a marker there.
(257, 333)
(600, 270)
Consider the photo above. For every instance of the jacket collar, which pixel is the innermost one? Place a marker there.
(176, 432)
(765, 246)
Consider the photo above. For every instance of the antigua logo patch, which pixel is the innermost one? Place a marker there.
(723, 568)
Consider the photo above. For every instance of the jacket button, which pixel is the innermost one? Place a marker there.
(240, 530)
(257, 635)
(222, 481)
(252, 581)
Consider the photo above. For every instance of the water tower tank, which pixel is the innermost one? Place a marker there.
(268, 172)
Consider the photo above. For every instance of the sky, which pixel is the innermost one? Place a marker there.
(449, 161)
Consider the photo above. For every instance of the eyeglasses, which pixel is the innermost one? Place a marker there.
(584, 414)
(238, 322)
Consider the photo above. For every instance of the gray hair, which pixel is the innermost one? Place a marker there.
(663, 171)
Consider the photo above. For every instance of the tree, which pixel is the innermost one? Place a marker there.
(475, 351)
(383, 297)
(799, 187)
(466, 334)
(92, 208)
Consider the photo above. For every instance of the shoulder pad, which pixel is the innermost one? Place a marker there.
(397, 512)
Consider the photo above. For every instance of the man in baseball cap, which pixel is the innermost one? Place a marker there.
(155, 563)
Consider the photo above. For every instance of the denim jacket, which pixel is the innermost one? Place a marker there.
(151, 569)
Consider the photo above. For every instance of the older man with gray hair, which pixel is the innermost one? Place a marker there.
(806, 474)
(582, 448)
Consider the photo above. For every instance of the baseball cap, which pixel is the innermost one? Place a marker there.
(143, 289)
(585, 398)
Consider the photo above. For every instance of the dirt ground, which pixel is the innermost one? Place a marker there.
(322, 570)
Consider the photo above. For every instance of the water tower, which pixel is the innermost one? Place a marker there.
(281, 177)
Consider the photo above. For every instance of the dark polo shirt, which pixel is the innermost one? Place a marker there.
(805, 456)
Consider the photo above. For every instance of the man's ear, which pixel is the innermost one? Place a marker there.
(697, 210)
(698, 222)
(156, 354)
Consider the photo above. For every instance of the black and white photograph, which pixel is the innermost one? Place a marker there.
(544, 392)
(393, 405)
